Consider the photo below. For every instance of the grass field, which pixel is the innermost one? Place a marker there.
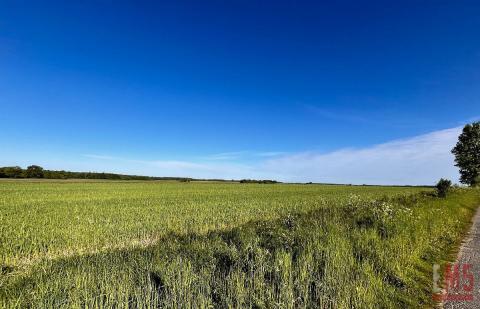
(169, 244)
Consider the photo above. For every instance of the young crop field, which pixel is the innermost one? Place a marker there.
(148, 244)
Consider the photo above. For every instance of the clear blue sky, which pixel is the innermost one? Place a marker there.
(106, 85)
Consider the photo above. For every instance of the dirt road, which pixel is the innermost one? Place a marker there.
(469, 255)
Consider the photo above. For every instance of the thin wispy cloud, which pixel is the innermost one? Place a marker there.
(176, 164)
(242, 155)
(101, 157)
(204, 169)
(227, 155)
(271, 154)
(418, 160)
(385, 118)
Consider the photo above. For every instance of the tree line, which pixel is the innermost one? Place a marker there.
(266, 181)
(35, 171)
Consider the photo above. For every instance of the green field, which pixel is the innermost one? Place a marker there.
(200, 244)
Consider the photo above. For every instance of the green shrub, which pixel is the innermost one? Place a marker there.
(443, 186)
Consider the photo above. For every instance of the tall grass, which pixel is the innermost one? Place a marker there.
(224, 245)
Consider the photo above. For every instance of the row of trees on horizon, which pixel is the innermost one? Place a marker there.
(35, 171)
(38, 172)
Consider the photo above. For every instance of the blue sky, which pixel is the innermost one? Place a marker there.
(239, 89)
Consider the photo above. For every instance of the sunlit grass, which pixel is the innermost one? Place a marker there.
(151, 244)
(64, 218)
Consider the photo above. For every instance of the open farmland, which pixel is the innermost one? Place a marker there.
(169, 244)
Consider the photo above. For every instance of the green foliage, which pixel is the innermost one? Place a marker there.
(34, 171)
(467, 154)
(199, 245)
(476, 182)
(267, 181)
(443, 186)
(11, 172)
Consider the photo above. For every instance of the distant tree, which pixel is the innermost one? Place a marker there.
(443, 186)
(266, 181)
(11, 172)
(34, 171)
(467, 154)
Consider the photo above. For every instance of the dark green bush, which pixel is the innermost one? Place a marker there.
(443, 186)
